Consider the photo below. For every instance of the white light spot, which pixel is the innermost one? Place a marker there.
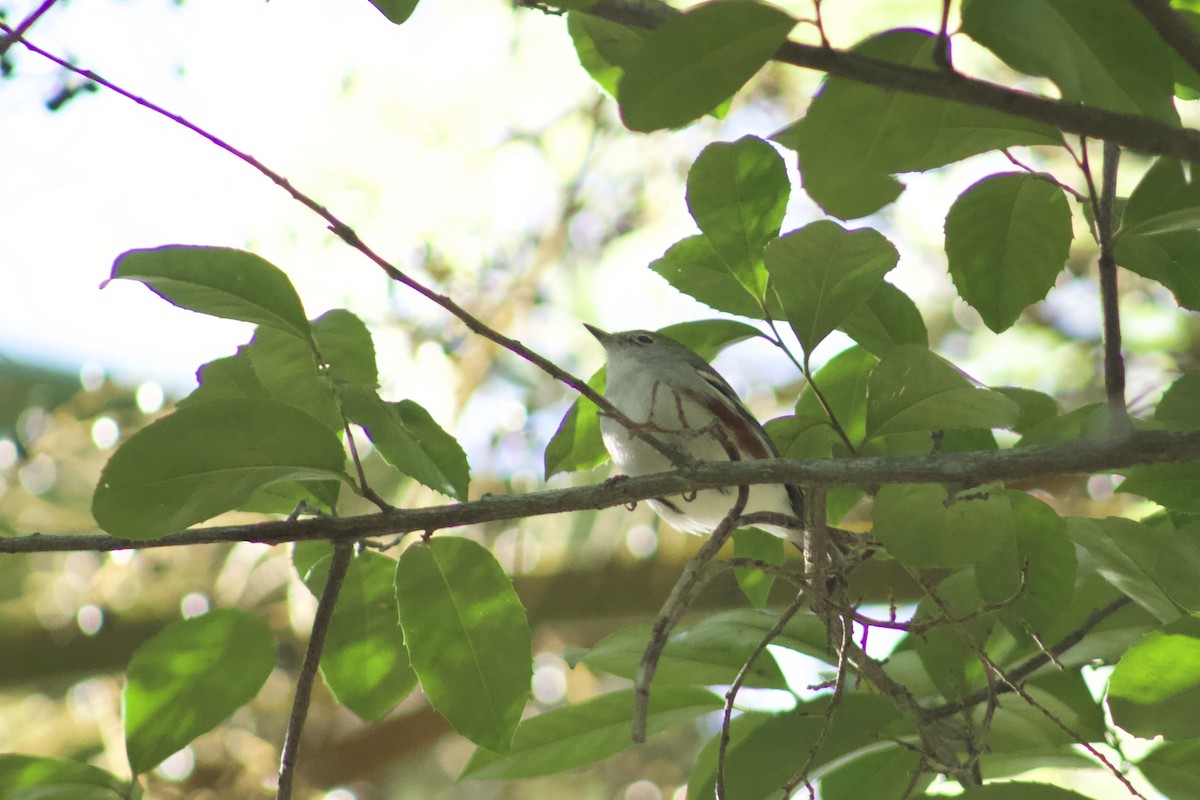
(339, 794)
(1100, 487)
(121, 556)
(643, 790)
(91, 376)
(105, 432)
(39, 475)
(90, 619)
(641, 541)
(178, 766)
(8, 453)
(149, 397)
(193, 605)
(549, 683)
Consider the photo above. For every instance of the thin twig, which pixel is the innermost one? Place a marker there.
(731, 695)
(693, 578)
(1114, 362)
(347, 234)
(338, 565)
(14, 34)
(1173, 29)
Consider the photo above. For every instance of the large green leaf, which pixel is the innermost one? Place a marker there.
(1155, 565)
(467, 637)
(1018, 790)
(1174, 768)
(762, 546)
(737, 193)
(889, 317)
(823, 273)
(397, 11)
(922, 526)
(347, 348)
(764, 751)
(188, 678)
(880, 775)
(208, 458)
(604, 47)
(1155, 688)
(694, 61)
(587, 732)
(1099, 53)
(912, 389)
(364, 662)
(410, 440)
(25, 777)
(1159, 236)
(1007, 239)
(712, 650)
(219, 281)
(693, 267)
(287, 368)
(855, 137)
(577, 445)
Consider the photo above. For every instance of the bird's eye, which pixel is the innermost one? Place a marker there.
(644, 338)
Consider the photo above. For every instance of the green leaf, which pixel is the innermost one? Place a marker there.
(880, 775)
(1180, 404)
(604, 47)
(577, 445)
(364, 662)
(843, 381)
(587, 732)
(763, 749)
(922, 526)
(347, 348)
(206, 459)
(1155, 566)
(855, 137)
(912, 389)
(712, 650)
(189, 677)
(227, 378)
(1033, 408)
(737, 193)
(397, 11)
(1007, 239)
(1158, 238)
(760, 545)
(1042, 550)
(888, 318)
(1099, 54)
(1019, 790)
(287, 368)
(411, 441)
(823, 273)
(694, 61)
(467, 637)
(25, 777)
(694, 268)
(1174, 768)
(1155, 688)
(219, 281)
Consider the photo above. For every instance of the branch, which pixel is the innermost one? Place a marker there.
(963, 469)
(1114, 363)
(14, 34)
(340, 562)
(1128, 130)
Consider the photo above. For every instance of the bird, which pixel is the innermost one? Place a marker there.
(669, 392)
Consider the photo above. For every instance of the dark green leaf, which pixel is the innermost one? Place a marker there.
(912, 389)
(694, 268)
(843, 382)
(467, 637)
(287, 368)
(1158, 238)
(888, 318)
(206, 459)
(1174, 768)
(411, 441)
(189, 677)
(397, 11)
(1099, 54)
(347, 348)
(760, 545)
(604, 47)
(1088, 422)
(737, 193)
(226, 378)
(25, 777)
(1180, 404)
(1019, 790)
(1155, 688)
(219, 281)
(1033, 408)
(587, 732)
(879, 775)
(694, 61)
(1007, 239)
(364, 662)
(823, 272)
(855, 137)
(922, 527)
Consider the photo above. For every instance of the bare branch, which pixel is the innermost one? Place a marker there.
(1173, 28)
(13, 35)
(342, 552)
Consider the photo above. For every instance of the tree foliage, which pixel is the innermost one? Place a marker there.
(1012, 601)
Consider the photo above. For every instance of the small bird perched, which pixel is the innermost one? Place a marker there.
(675, 396)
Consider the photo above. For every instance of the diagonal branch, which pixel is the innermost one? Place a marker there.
(1173, 28)
(962, 469)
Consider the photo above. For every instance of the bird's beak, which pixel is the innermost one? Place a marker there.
(602, 335)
